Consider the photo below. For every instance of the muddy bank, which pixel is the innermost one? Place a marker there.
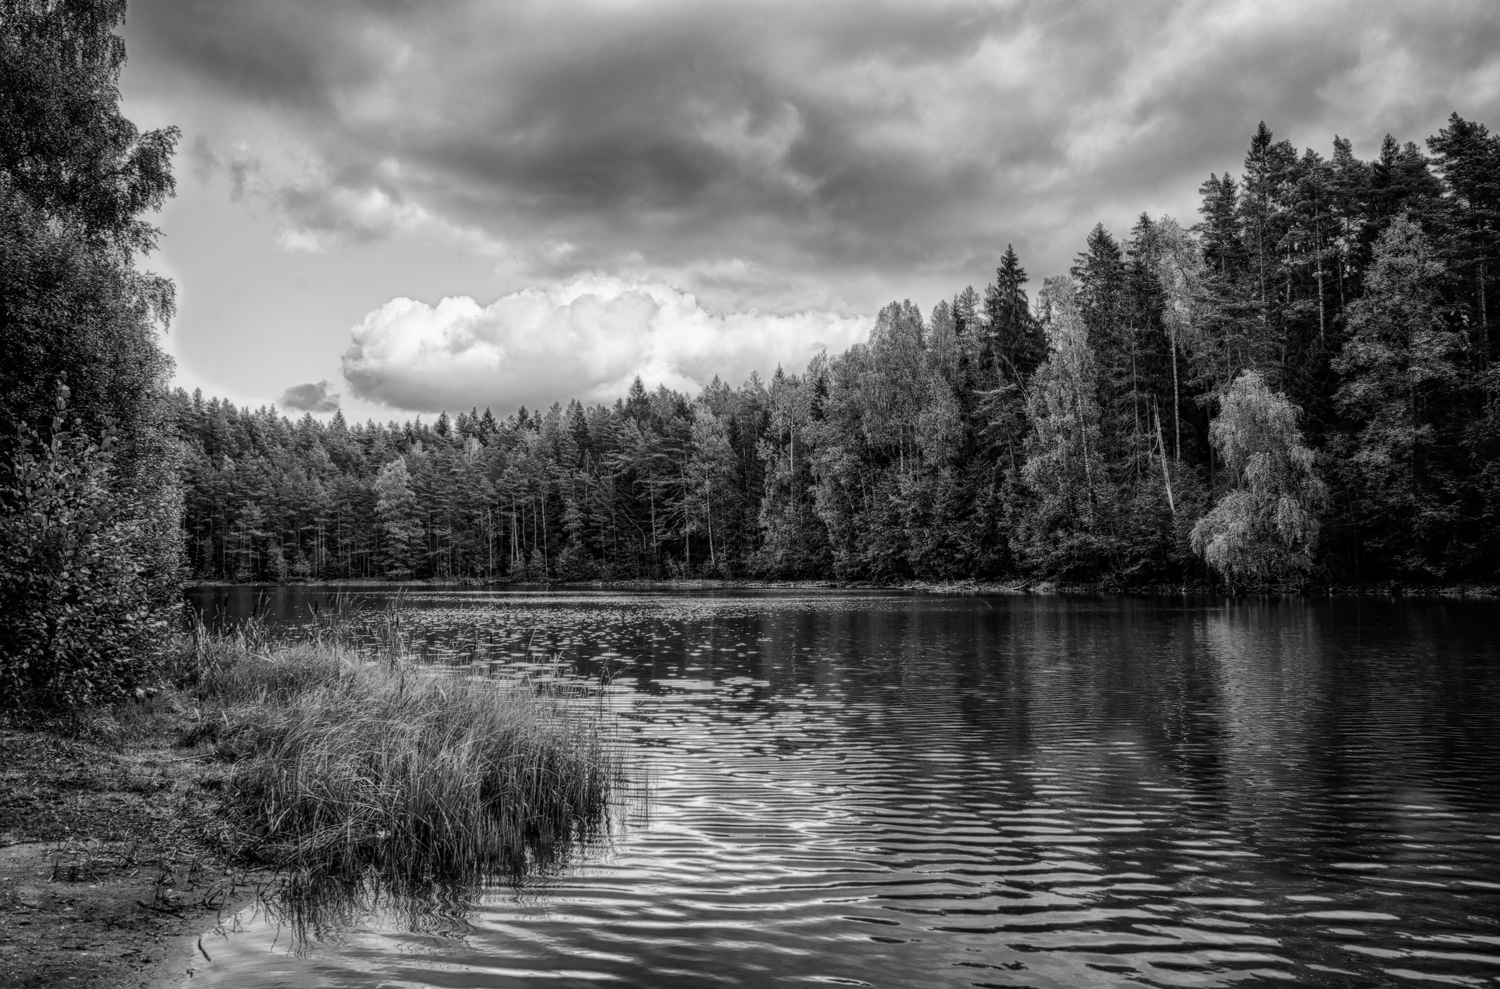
(110, 869)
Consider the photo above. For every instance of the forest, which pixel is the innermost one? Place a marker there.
(1297, 389)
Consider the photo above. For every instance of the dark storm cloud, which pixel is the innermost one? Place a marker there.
(313, 396)
(812, 138)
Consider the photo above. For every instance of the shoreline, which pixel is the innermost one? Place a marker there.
(133, 831)
(1386, 589)
(109, 875)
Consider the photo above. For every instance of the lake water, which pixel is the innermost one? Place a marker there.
(894, 789)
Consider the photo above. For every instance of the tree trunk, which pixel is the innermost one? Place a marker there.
(1321, 317)
(1484, 322)
(1166, 475)
(1176, 405)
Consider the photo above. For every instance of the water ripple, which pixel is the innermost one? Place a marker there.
(899, 790)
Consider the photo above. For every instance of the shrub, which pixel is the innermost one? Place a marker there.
(89, 528)
(81, 617)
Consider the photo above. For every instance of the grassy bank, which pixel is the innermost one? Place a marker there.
(124, 830)
(343, 762)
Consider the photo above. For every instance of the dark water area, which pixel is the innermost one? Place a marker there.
(898, 789)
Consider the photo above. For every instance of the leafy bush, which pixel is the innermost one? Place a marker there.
(80, 618)
(90, 533)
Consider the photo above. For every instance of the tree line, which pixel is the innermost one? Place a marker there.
(1299, 387)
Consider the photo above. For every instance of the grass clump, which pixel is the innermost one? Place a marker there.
(343, 765)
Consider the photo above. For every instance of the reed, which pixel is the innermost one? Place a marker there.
(343, 763)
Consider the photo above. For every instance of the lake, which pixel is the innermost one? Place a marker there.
(903, 789)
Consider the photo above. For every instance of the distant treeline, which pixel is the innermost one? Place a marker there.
(1301, 386)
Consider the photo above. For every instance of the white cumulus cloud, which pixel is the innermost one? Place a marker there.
(585, 338)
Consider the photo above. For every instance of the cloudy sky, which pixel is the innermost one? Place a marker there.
(397, 205)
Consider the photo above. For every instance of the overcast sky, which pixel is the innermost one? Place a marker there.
(409, 206)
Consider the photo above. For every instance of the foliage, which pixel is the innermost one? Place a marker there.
(91, 532)
(1070, 438)
(1264, 531)
(64, 145)
(81, 619)
(396, 507)
(1398, 368)
(1067, 532)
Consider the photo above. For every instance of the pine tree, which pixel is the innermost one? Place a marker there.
(1468, 156)
(1401, 181)
(578, 430)
(1269, 168)
(1104, 308)
(1398, 371)
(1219, 231)
(1014, 341)
(400, 529)
(968, 314)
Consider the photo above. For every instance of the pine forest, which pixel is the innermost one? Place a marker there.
(1297, 389)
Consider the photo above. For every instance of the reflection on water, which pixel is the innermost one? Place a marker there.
(307, 913)
(907, 790)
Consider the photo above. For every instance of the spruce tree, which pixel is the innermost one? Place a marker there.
(1014, 341)
(1398, 374)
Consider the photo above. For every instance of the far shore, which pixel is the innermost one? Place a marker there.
(1384, 589)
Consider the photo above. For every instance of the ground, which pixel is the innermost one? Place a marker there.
(109, 869)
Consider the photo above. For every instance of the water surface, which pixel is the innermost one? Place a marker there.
(894, 789)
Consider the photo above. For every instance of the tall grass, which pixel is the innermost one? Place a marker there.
(347, 762)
